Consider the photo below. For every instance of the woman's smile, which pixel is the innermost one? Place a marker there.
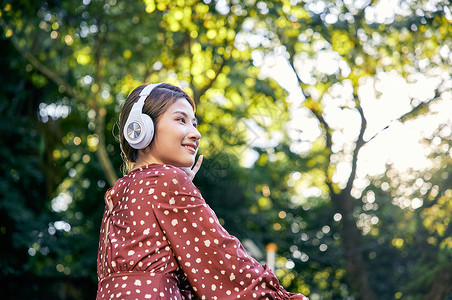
(191, 147)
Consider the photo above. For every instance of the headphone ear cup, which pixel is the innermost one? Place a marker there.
(139, 127)
(139, 130)
(148, 127)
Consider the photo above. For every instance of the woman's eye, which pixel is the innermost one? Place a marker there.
(195, 125)
(182, 120)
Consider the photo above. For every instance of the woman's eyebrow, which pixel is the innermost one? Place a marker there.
(185, 115)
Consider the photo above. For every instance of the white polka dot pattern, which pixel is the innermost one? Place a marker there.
(160, 240)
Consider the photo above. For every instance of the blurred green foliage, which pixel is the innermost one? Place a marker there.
(67, 67)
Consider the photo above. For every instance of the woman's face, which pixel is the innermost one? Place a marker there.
(176, 137)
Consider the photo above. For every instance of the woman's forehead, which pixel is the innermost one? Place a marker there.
(182, 104)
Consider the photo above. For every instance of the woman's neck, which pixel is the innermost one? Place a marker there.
(145, 159)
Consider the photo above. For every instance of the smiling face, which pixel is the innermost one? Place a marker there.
(176, 137)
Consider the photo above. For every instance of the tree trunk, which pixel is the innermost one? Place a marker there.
(102, 154)
(441, 285)
(357, 274)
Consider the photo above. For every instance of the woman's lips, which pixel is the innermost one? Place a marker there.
(190, 147)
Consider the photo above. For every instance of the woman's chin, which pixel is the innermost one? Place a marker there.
(183, 164)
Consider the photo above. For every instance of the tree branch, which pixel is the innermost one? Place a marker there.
(101, 112)
(318, 116)
(359, 143)
(101, 152)
(50, 74)
(211, 82)
(408, 115)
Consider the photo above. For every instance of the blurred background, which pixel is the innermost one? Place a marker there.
(326, 131)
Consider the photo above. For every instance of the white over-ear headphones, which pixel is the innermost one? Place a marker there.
(139, 128)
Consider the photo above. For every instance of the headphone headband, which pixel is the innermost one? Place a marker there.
(146, 91)
(139, 127)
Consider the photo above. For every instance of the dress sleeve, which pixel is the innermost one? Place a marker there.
(215, 263)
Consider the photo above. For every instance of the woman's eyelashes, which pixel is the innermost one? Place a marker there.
(183, 120)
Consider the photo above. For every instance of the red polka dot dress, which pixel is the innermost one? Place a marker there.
(160, 240)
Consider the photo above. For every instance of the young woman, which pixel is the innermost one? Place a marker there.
(159, 239)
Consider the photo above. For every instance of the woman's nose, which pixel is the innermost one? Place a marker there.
(194, 134)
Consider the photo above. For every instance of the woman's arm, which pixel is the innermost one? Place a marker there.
(215, 262)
